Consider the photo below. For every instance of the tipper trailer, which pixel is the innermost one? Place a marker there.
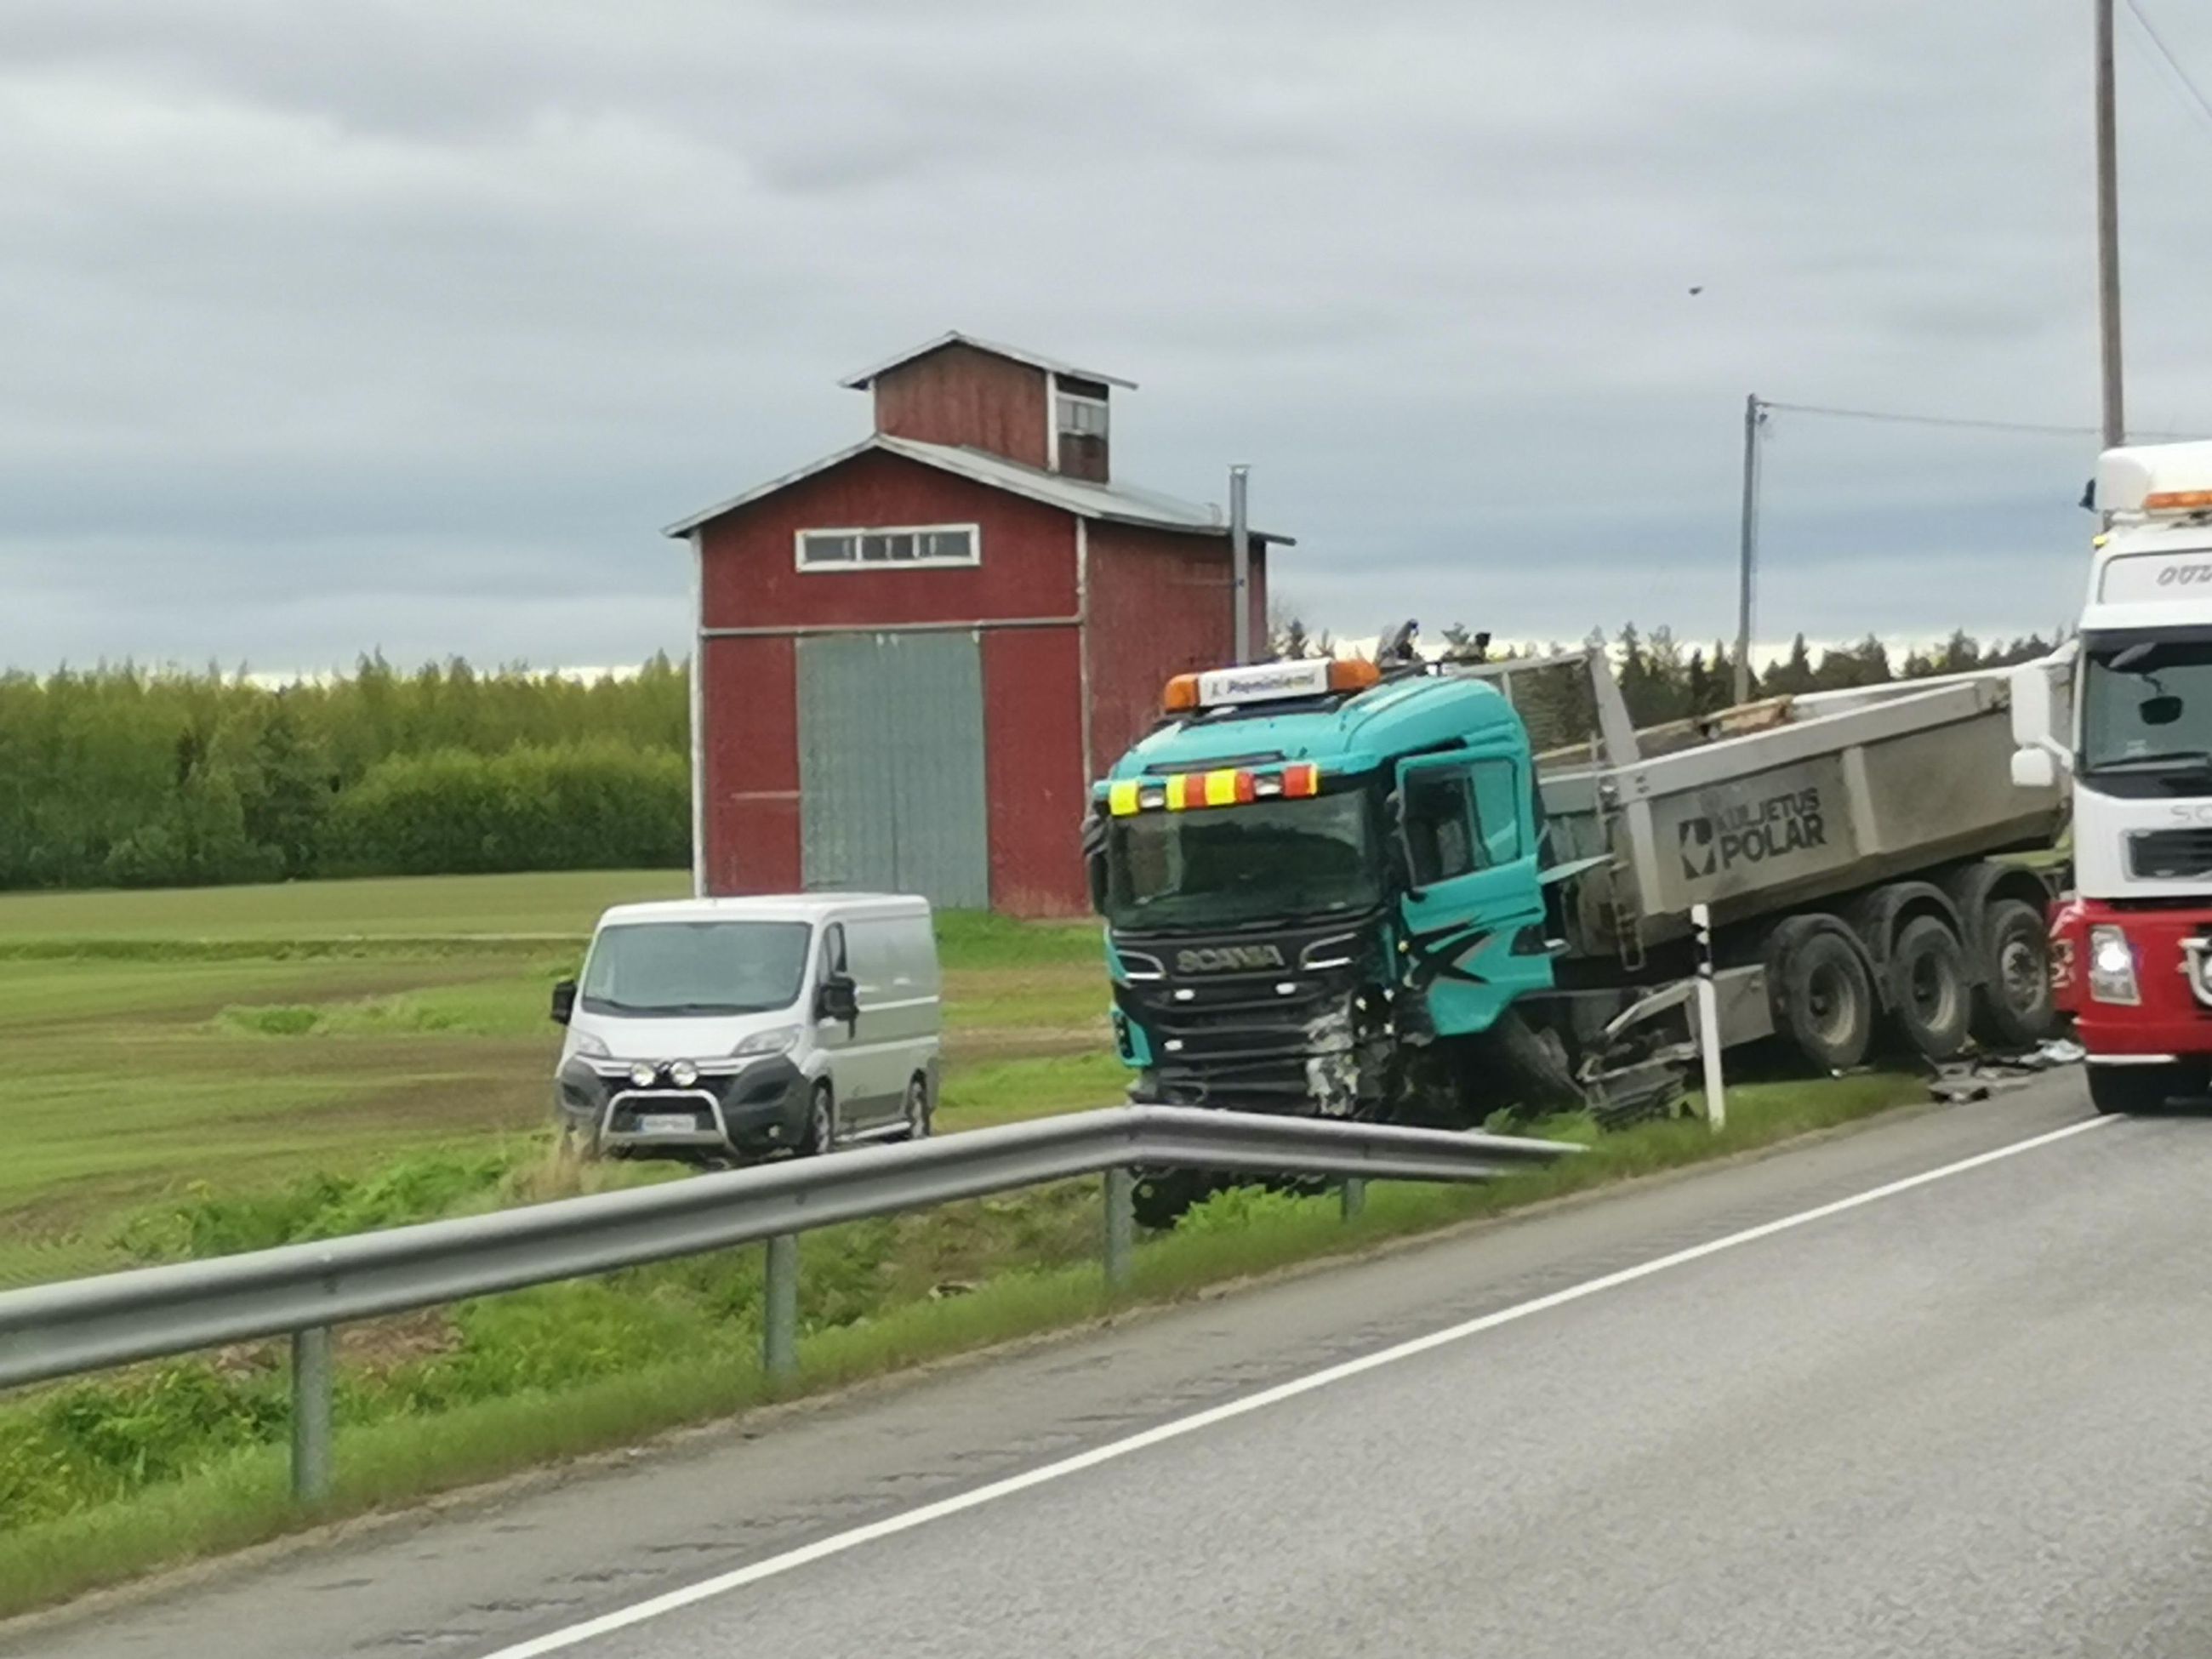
(1352, 889)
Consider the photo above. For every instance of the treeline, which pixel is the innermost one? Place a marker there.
(1662, 680)
(126, 777)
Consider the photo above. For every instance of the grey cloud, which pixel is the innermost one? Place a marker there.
(313, 310)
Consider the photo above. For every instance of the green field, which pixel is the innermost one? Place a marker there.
(228, 1040)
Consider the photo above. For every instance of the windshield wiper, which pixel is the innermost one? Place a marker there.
(2167, 760)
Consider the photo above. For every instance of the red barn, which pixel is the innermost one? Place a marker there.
(918, 651)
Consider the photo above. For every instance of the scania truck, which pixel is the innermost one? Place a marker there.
(2129, 716)
(1351, 887)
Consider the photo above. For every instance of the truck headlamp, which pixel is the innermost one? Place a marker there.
(2112, 967)
(641, 1073)
(682, 1073)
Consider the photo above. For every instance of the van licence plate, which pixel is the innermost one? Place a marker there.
(666, 1123)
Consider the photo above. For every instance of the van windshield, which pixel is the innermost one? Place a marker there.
(678, 970)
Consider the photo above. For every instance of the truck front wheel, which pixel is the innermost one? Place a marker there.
(2119, 1090)
(1824, 996)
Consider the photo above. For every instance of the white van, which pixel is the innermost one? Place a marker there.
(710, 1028)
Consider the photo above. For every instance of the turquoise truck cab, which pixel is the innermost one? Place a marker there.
(1321, 889)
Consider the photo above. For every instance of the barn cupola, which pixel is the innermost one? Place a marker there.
(974, 394)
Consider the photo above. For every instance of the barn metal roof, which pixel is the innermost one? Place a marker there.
(954, 337)
(1116, 503)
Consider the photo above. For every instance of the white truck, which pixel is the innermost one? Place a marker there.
(2127, 713)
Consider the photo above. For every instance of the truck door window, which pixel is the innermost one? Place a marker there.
(1498, 809)
(1439, 816)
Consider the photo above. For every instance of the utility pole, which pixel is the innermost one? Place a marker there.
(2108, 230)
(1748, 550)
(1240, 564)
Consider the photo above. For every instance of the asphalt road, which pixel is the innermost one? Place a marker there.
(1785, 1408)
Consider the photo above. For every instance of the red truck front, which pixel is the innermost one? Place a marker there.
(2128, 714)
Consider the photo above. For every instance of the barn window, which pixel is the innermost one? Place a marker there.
(1079, 427)
(906, 546)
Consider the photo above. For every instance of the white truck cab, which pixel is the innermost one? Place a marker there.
(2129, 715)
(725, 1028)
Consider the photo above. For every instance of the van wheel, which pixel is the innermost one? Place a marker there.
(2013, 1008)
(1823, 995)
(820, 1121)
(919, 1112)
(1928, 992)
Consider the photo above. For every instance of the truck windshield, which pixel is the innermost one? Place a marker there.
(2146, 708)
(1226, 866)
(678, 970)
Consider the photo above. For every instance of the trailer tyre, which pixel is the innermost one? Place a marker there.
(1931, 999)
(2012, 1009)
(1824, 994)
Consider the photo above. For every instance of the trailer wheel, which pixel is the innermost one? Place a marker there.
(1824, 995)
(2013, 1008)
(1930, 998)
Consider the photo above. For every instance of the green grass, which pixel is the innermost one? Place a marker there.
(512, 1382)
(231, 1039)
(563, 902)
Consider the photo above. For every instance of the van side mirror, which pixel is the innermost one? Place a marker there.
(839, 998)
(564, 1001)
(2035, 768)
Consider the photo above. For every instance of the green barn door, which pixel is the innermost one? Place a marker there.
(890, 765)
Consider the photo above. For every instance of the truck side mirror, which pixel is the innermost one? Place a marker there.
(1094, 858)
(1397, 848)
(564, 1001)
(2034, 706)
(839, 998)
(2036, 722)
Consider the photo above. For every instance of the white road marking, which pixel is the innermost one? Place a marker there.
(723, 1583)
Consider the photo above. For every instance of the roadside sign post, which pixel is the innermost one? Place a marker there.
(1709, 1018)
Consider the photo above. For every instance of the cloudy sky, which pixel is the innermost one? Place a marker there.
(407, 324)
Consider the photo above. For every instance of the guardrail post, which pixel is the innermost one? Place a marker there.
(1121, 1227)
(1355, 1197)
(311, 1414)
(779, 1323)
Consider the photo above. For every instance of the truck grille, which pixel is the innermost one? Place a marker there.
(2170, 854)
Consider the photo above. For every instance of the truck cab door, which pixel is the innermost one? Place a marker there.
(1473, 909)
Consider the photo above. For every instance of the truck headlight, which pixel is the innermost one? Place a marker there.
(641, 1073)
(2112, 967)
(776, 1040)
(682, 1073)
(591, 1046)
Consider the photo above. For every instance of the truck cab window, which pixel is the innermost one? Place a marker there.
(1439, 815)
(1498, 809)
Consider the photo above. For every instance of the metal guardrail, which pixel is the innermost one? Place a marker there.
(302, 1290)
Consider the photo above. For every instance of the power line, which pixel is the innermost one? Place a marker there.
(2201, 105)
(1895, 419)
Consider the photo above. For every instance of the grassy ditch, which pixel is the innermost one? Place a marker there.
(111, 1477)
